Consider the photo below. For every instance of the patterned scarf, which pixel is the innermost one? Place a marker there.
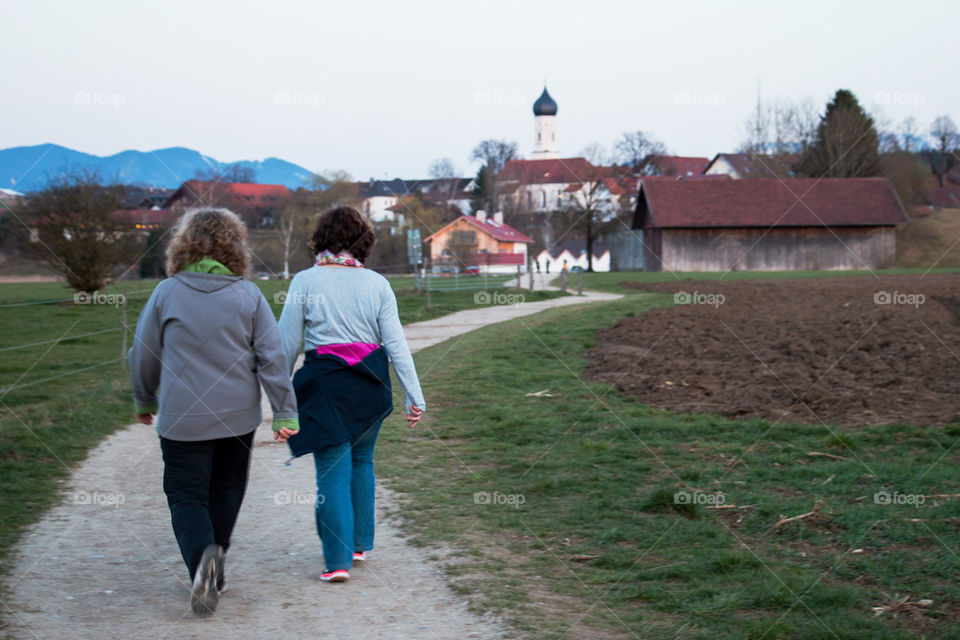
(343, 258)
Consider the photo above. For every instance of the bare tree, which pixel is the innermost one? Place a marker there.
(333, 188)
(633, 149)
(946, 140)
(232, 173)
(592, 206)
(777, 133)
(908, 131)
(291, 221)
(77, 230)
(446, 174)
(494, 153)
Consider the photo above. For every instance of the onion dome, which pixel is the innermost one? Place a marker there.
(545, 105)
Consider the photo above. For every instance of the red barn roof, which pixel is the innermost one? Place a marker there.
(557, 170)
(767, 202)
(501, 232)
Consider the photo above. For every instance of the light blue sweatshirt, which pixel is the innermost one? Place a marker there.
(341, 305)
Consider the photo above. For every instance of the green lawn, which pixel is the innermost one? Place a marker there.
(48, 426)
(610, 281)
(579, 532)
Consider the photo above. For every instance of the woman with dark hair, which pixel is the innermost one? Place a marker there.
(206, 341)
(347, 318)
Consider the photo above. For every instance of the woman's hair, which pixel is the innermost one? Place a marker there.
(343, 229)
(209, 233)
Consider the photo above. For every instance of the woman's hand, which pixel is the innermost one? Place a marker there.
(281, 435)
(413, 415)
(145, 418)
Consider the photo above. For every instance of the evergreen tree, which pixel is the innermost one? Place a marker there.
(482, 197)
(846, 143)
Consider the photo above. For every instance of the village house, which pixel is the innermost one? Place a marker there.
(478, 241)
(256, 203)
(767, 224)
(744, 166)
(382, 200)
(684, 166)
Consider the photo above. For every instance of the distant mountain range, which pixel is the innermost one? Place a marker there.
(28, 169)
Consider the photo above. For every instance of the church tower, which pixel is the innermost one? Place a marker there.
(545, 126)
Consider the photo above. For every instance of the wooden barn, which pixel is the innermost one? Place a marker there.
(767, 224)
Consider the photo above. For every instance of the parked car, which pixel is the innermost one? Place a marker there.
(447, 271)
(263, 276)
(472, 270)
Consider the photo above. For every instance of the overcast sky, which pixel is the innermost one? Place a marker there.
(382, 88)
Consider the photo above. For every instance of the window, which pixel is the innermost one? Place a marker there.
(463, 237)
(543, 199)
(529, 200)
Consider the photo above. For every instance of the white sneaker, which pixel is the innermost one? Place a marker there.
(204, 597)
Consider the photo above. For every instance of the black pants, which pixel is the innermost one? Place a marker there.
(204, 482)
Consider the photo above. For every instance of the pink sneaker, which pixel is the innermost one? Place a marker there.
(359, 556)
(339, 575)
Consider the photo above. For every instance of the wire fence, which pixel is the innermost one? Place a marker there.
(76, 299)
(83, 301)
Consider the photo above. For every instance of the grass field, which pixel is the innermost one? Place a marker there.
(610, 281)
(48, 425)
(563, 514)
(932, 239)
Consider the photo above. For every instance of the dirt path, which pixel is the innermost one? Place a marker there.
(104, 562)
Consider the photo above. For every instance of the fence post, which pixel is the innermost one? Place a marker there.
(530, 273)
(123, 324)
(485, 288)
(426, 287)
(563, 280)
(519, 275)
(580, 282)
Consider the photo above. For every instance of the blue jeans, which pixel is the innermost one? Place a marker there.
(345, 490)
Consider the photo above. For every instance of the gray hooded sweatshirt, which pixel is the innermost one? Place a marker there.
(204, 344)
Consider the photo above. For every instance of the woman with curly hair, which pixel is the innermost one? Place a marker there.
(206, 341)
(347, 317)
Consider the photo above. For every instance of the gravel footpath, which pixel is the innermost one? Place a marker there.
(104, 563)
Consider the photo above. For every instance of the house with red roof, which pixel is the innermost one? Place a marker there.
(684, 166)
(254, 202)
(767, 224)
(478, 241)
